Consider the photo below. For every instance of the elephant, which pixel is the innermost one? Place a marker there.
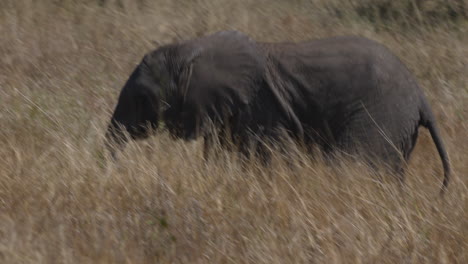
(345, 94)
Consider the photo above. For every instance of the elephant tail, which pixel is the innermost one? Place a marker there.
(428, 121)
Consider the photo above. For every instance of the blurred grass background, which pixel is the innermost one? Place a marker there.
(62, 66)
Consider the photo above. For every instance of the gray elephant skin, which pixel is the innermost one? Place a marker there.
(344, 94)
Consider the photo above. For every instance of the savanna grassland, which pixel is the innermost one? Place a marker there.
(62, 65)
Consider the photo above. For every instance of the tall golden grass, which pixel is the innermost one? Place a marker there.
(62, 65)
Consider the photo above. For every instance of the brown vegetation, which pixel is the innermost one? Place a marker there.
(62, 65)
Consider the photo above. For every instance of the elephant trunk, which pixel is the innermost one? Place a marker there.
(115, 139)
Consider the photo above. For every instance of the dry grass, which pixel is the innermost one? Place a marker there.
(62, 65)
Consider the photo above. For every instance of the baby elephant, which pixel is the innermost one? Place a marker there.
(347, 94)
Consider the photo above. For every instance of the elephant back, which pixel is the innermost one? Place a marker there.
(227, 71)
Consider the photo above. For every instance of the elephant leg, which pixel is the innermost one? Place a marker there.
(207, 147)
(280, 142)
(409, 144)
(263, 153)
(216, 140)
(407, 148)
(213, 143)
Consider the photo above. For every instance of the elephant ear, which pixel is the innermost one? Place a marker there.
(184, 80)
(223, 72)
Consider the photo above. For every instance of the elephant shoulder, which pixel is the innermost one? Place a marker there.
(230, 51)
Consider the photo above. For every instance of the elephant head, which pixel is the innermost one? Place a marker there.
(188, 86)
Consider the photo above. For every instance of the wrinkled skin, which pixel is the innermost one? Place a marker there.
(346, 94)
